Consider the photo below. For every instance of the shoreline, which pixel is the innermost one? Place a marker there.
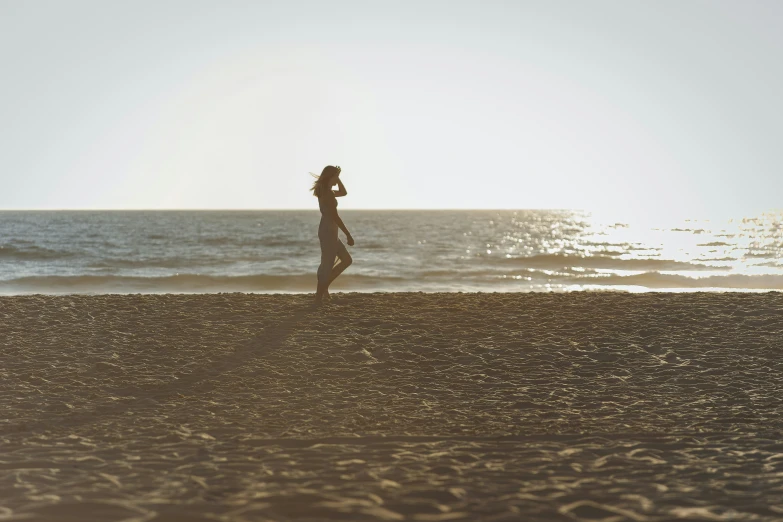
(342, 291)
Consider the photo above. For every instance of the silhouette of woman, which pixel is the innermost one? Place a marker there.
(334, 256)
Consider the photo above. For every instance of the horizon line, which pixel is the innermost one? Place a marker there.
(265, 209)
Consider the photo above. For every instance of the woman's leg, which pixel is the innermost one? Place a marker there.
(328, 254)
(344, 260)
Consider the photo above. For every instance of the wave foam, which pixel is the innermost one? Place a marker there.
(560, 261)
(656, 280)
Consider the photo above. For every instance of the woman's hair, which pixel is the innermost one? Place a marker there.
(323, 182)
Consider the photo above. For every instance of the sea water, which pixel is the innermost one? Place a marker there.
(471, 250)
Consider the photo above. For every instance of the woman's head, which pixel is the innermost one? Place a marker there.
(329, 175)
(326, 180)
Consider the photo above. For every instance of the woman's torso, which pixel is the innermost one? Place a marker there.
(328, 206)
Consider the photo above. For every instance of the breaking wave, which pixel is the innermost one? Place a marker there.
(656, 280)
(560, 261)
(31, 253)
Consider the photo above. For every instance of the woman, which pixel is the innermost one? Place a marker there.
(334, 256)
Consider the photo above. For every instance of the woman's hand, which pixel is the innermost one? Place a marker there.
(350, 240)
(340, 192)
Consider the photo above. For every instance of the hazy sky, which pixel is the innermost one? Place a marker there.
(651, 106)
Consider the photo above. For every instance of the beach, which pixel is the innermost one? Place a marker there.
(392, 406)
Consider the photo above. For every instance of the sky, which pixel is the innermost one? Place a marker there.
(614, 106)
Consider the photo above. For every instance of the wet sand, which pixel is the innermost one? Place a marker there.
(583, 406)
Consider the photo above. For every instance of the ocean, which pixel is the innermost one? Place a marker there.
(56, 252)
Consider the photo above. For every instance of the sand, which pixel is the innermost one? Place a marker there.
(583, 406)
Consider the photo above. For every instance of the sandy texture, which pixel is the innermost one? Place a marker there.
(587, 406)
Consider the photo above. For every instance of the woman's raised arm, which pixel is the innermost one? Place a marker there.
(340, 192)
